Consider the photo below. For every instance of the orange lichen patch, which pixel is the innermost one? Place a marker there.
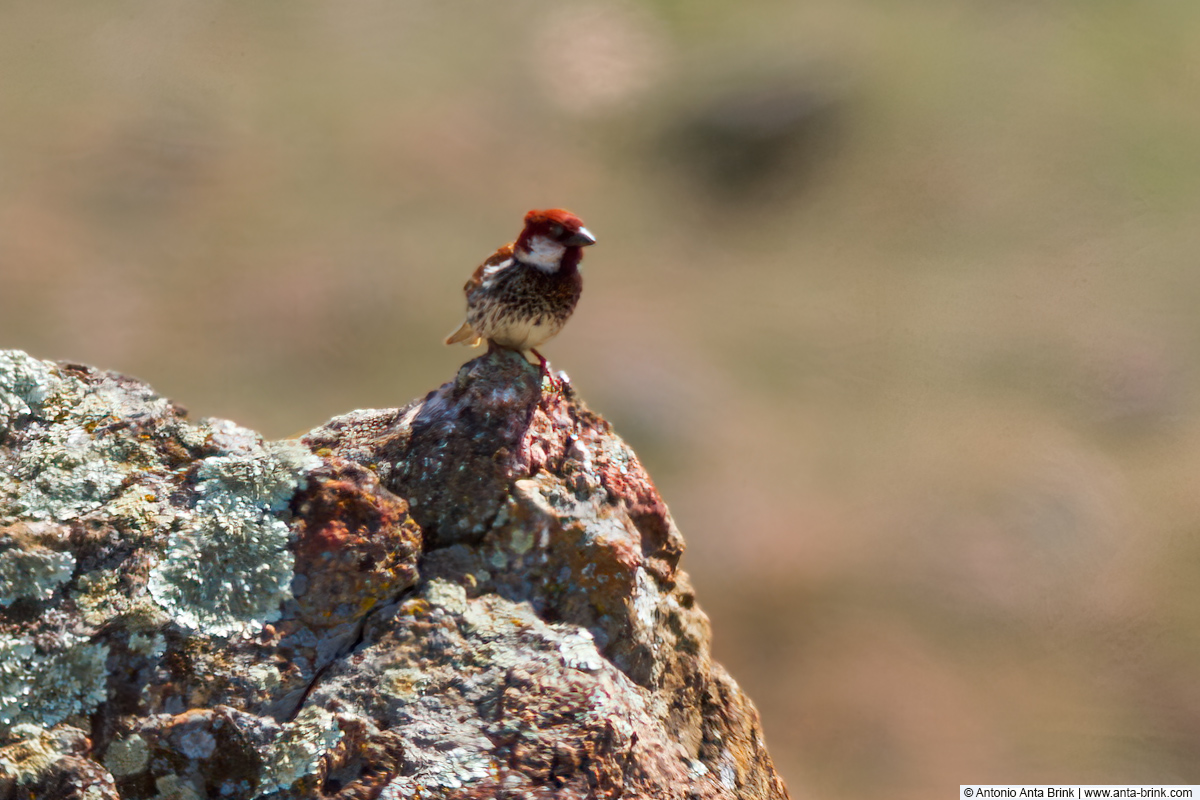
(357, 544)
(414, 607)
(604, 572)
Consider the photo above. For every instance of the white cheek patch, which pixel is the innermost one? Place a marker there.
(545, 254)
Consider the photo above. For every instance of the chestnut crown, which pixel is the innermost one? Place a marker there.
(555, 225)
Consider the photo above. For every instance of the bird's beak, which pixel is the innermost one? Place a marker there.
(581, 238)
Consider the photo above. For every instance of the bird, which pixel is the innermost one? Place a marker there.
(524, 293)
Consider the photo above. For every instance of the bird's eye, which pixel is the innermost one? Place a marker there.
(556, 230)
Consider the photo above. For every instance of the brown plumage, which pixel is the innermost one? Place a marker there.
(524, 293)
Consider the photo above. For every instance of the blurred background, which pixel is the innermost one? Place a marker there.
(897, 301)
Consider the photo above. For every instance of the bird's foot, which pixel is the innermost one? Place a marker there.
(556, 384)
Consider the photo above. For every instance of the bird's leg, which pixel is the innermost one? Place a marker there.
(545, 367)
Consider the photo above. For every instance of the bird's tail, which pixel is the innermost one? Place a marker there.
(466, 334)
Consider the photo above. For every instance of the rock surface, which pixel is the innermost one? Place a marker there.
(474, 596)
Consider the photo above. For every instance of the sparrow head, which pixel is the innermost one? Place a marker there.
(552, 239)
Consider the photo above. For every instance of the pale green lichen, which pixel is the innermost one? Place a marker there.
(72, 450)
(101, 599)
(267, 477)
(446, 594)
(47, 686)
(522, 541)
(144, 507)
(127, 756)
(298, 749)
(32, 572)
(229, 568)
(264, 676)
(68, 463)
(151, 645)
(172, 787)
(25, 383)
(95, 596)
(64, 473)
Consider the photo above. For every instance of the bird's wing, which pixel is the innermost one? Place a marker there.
(496, 262)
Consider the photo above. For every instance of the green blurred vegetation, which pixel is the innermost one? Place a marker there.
(896, 300)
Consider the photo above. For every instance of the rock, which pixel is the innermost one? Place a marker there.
(474, 596)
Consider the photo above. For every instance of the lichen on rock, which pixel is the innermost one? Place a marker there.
(297, 751)
(474, 596)
(67, 455)
(52, 763)
(33, 562)
(246, 547)
(46, 685)
(233, 530)
(25, 383)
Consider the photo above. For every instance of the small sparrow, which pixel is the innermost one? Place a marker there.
(524, 293)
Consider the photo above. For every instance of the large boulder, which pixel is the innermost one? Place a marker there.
(473, 596)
